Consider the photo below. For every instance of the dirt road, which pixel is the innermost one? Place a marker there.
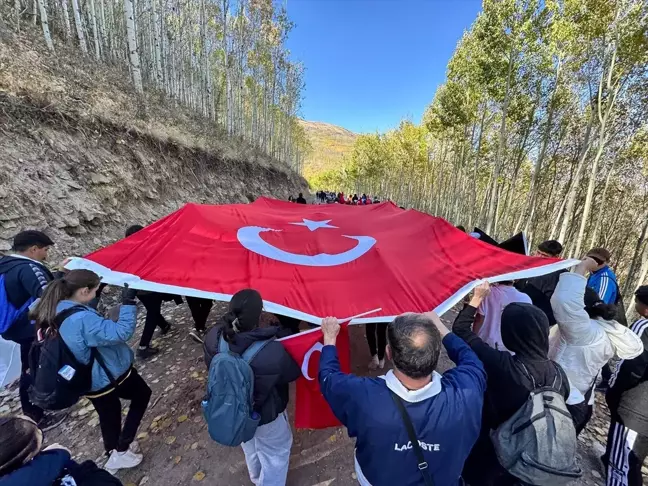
(178, 451)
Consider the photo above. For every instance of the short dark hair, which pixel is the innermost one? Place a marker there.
(415, 344)
(133, 229)
(551, 247)
(600, 255)
(642, 294)
(26, 239)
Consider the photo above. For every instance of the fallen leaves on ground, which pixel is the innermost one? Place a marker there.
(199, 476)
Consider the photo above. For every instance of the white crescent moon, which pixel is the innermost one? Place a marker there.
(316, 347)
(249, 237)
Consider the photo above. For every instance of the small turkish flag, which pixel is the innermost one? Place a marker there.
(311, 409)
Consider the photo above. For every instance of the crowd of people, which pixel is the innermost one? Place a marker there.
(528, 354)
(325, 197)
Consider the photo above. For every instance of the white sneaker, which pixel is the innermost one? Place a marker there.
(122, 460)
(381, 364)
(135, 447)
(373, 364)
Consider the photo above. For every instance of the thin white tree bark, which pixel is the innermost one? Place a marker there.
(45, 25)
(133, 54)
(95, 32)
(79, 26)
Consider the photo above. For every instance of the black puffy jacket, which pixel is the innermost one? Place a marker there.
(273, 368)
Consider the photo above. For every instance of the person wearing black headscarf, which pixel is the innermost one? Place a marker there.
(268, 453)
(627, 445)
(525, 332)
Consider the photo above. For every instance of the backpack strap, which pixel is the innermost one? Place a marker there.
(416, 447)
(250, 353)
(61, 316)
(94, 352)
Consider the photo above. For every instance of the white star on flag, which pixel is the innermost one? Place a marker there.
(313, 225)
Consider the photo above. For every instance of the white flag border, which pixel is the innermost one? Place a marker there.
(112, 277)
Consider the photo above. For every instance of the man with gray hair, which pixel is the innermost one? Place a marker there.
(412, 426)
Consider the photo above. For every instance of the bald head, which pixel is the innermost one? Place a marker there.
(415, 343)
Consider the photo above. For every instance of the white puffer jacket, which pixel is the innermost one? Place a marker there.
(582, 346)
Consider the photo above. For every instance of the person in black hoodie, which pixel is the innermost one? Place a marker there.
(268, 453)
(541, 288)
(525, 331)
(627, 445)
(25, 278)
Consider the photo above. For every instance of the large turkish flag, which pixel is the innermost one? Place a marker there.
(310, 261)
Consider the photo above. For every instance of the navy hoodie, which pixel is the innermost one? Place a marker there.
(42, 470)
(24, 279)
(446, 415)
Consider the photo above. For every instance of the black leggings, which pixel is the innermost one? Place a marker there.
(200, 309)
(377, 348)
(108, 406)
(153, 304)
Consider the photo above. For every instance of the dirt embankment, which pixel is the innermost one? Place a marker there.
(82, 158)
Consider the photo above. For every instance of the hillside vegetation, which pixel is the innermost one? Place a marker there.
(541, 126)
(330, 144)
(79, 160)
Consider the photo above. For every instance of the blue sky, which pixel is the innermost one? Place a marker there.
(371, 63)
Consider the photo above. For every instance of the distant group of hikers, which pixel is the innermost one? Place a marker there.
(324, 197)
(528, 357)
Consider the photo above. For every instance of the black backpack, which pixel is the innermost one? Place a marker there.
(58, 379)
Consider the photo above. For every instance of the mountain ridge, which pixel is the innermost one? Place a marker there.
(331, 145)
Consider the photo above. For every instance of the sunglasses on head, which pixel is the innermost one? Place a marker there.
(597, 259)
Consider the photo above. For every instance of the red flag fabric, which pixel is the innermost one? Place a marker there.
(311, 410)
(310, 261)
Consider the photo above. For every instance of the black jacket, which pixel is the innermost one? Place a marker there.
(540, 289)
(631, 381)
(24, 279)
(273, 368)
(525, 331)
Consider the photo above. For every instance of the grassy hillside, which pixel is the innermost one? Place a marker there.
(330, 145)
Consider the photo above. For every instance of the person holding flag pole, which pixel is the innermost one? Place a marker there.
(412, 426)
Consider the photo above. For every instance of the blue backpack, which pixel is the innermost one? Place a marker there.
(8, 312)
(228, 405)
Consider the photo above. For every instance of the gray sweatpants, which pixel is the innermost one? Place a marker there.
(267, 455)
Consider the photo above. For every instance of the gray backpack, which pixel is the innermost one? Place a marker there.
(538, 443)
(228, 405)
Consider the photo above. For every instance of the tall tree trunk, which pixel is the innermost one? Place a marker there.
(573, 191)
(636, 257)
(133, 54)
(45, 25)
(500, 151)
(79, 26)
(95, 32)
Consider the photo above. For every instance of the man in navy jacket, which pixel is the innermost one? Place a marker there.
(444, 409)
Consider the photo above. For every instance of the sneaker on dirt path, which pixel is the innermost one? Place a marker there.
(197, 335)
(51, 421)
(147, 352)
(373, 364)
(122, 460)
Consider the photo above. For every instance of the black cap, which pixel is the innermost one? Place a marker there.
(642, 294)
(29, 238)
(551, 247)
